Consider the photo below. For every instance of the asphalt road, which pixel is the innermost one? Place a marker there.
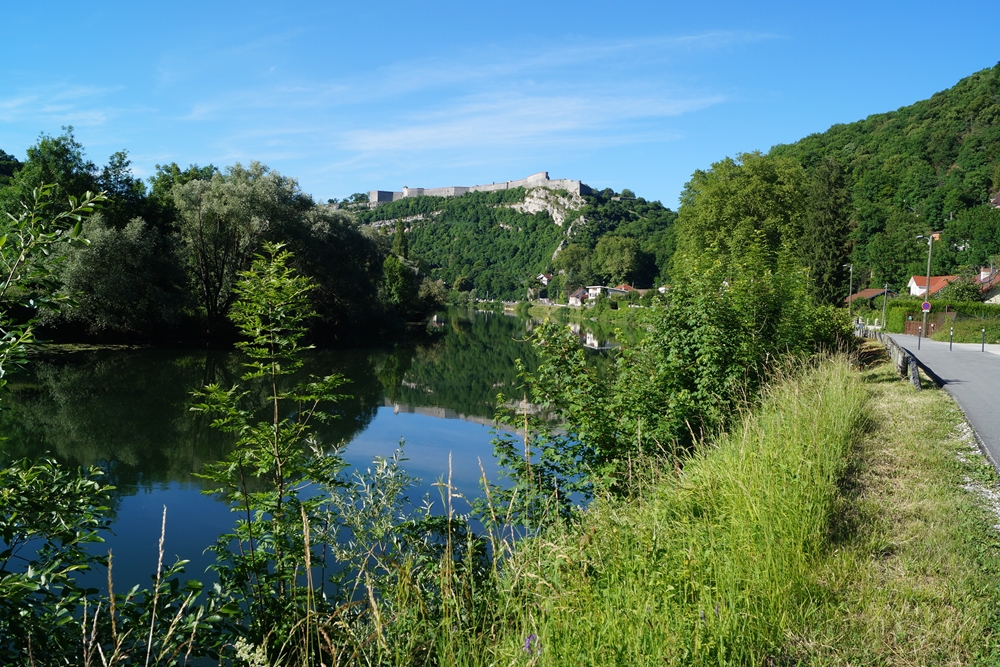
(972, 377)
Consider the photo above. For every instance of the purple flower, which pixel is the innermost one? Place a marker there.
(528, 641)
(703, 614)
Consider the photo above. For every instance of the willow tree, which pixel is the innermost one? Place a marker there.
(223, 221)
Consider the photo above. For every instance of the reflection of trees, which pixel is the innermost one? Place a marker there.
(128, 412)
(468, 367)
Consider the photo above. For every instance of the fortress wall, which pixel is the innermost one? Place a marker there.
(539, 180)
(381, 196)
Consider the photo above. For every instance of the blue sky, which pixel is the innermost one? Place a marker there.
(359, 96)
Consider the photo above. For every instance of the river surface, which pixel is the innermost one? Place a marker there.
(128, 412)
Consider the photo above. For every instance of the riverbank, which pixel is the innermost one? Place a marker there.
(622, 316)
(850, 520)
(847, 520)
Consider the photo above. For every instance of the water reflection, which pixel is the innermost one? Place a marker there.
(128, 411)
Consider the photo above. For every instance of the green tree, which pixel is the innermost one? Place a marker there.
(400, 247)
(126, 194)
(127, 282)
(618, 258)
(57, 162)
(222, 223)
(31, 245)
(826, 232)
(265, 478)
(8, 166)
(753, 201)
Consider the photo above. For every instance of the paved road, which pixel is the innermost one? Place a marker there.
(972, 377)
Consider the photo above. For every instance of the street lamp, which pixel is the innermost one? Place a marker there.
(850, 289)
(885, 297)
(927, 285)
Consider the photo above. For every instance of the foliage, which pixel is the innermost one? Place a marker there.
(932, 165)
(964, 288)
(8, 166)
(58, 162)
(49, 516)
(752, 201)
(294, 507)
(826, 231)
(127, 281)
(222, 223)
(618, 258)
(271, 312)
(32, 241)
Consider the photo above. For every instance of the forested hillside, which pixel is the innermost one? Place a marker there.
(931, 166)
(482, 241)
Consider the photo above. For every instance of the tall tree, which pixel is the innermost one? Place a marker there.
(224, 220)
(399, 245)
(59, 161)
(8, 165)
(754, 201)
(618, 258)
(825, 232)
(126, 193)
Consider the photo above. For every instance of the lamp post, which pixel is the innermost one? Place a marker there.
(927, 285)
(850, 290)
(885, 297)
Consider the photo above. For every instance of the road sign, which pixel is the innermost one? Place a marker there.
(926, 306)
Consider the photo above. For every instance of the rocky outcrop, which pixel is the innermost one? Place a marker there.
(554, 203)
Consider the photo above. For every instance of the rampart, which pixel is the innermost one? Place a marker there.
(539, 180)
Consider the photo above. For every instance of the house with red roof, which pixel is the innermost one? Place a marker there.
(868, 295)
(918, 285)
(989, 282)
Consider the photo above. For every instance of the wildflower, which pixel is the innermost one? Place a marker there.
(528, 641)
(702, 614)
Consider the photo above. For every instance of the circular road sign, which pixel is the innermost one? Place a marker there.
(926, 306)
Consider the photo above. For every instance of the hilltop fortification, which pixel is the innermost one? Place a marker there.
(539, 180)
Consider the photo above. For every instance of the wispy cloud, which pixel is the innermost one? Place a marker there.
(64, 104)
(504, 121)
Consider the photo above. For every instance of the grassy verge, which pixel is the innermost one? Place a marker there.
(910, 573)
(843, 523)
(970, 330)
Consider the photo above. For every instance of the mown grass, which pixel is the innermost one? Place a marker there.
(835, 526)
(910, 576)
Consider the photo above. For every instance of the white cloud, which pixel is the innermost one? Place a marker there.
(503, 121)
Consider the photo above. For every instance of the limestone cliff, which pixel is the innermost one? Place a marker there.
(556, 204)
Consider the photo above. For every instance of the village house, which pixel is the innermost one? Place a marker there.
(578, 297)
(594, 291)
(868, 295)
(918, 284)
(989, 282)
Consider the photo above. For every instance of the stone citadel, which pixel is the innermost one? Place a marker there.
(539, 180)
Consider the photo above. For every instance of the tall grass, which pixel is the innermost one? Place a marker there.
(711, 566)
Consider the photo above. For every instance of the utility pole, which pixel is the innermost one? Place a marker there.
(885, 297)
(850, 290)
(927, 285)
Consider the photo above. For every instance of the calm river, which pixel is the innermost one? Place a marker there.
(129, 413)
